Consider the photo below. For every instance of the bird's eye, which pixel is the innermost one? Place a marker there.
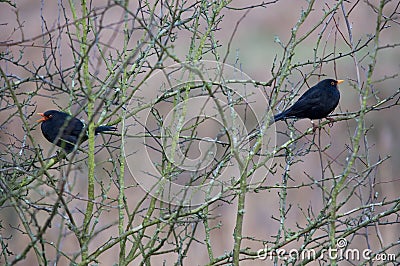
(50, 116)
(332, 83)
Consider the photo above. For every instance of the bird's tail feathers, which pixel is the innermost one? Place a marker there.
(104, 128)
(280, 116)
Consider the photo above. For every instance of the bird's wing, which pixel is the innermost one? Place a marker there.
(73, 130)
(310, 100)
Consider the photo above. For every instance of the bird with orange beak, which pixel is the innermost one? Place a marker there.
(64, 130)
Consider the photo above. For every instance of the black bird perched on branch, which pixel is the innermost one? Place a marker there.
(54, 121)
(316, 103)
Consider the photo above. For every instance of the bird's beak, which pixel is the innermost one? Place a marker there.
(44, 118)
(340, 81)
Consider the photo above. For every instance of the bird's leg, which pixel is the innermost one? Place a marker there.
(61, 155)
(314, 126)
(331, 120)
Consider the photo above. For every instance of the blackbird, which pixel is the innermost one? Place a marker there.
(54, 121)
(316, 103)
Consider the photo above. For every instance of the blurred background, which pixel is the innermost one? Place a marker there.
(254, 38)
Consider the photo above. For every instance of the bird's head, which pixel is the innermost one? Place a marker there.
(50, 114)
(331, 82)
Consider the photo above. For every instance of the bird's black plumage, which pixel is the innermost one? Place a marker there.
(316, 103)
(54, 121)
